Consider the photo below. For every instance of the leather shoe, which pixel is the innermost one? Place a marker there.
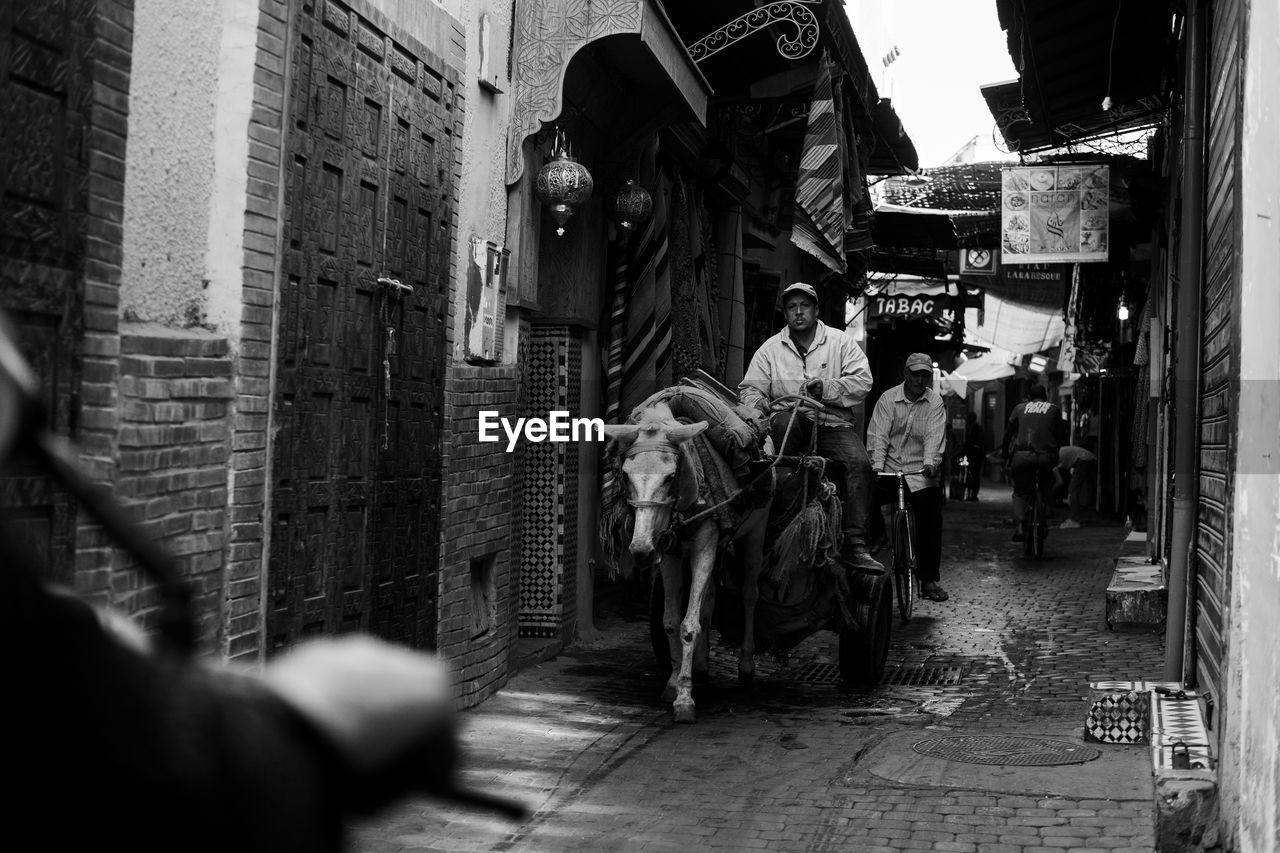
(859, 558)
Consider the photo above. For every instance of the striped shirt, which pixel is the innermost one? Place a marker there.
(905, 435)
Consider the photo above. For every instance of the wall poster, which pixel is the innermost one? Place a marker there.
(1052, 214)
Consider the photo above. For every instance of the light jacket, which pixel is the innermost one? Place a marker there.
(777, 369)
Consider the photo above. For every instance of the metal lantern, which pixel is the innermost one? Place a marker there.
(563, 183)
(632, 204)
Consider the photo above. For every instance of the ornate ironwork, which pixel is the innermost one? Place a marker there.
(792, 12)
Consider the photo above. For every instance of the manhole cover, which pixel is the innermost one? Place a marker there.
(1031, 751)
(922, 676)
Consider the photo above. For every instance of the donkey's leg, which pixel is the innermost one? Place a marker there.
(672, 594)
(702, 561)
(702, 654)
(751, 547)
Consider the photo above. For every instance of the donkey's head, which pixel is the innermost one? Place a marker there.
(651, 468)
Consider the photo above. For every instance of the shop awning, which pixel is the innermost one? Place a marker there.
(983, 368)
(928, 228)
(1072, 56)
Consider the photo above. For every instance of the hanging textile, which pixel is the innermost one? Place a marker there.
(619, 274)
(695, 318)
(820, 223)
(733, 313)
(646, 365)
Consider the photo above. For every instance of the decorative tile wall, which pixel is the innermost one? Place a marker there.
(548, 566)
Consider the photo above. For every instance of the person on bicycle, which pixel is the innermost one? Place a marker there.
(906, 433)
(1035, 431)
(810, 358)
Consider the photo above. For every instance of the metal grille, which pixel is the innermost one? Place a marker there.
(1023, 751)
(922, 676)
(818, 673)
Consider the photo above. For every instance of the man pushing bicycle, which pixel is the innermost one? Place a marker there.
(1035, 431)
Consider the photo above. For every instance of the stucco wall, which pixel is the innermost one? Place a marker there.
(169, 167)
(224, 256)
(482, 196)
(1250, 767)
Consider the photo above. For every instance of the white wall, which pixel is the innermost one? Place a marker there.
(1249, 773)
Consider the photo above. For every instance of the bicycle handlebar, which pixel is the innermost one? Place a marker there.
(898, 473)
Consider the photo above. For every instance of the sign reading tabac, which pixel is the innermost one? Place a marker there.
(1054, 214)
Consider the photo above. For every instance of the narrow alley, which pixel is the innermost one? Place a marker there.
(801, 763)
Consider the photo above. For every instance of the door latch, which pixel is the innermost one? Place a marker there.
(394, 285)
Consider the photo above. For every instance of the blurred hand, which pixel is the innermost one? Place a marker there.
(373, 699)
(814, 388)
(930, 471)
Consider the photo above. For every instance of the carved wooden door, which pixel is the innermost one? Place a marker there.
(360, 364)
(45, 89)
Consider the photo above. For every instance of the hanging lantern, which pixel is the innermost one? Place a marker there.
(631, 205)
(563, 183)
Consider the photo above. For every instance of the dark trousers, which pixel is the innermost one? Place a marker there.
(926, 504)
(843, 445)
(973, 479)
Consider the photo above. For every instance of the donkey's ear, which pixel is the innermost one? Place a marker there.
(684, 432)
(624, 434)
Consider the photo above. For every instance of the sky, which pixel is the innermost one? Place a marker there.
(947, 49)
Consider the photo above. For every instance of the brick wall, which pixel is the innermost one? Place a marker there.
(480, 523)
(174, 447)
(250, 419)
(107, 107)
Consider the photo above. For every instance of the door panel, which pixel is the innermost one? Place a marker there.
(44, 91)
(360, 382)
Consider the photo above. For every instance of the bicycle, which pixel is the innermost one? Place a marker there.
(1035, 524)
(902, 539)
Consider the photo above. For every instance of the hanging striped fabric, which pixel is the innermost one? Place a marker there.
(819, 185)
(646, 363)
(619, 275)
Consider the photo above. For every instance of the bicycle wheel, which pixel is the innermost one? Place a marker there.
(1041, 530)
(904, 565)
(1029, 533)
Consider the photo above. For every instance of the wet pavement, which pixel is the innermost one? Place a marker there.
(799, 762)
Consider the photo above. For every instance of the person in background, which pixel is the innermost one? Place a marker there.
(810, 358)
(975, 443)
(1077, 468)
(1035, 431)
(907, 430)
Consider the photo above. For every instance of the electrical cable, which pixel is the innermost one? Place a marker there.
(1111, 55)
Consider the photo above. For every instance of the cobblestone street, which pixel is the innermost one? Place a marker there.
(800, 763)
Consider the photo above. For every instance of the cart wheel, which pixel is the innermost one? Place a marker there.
(863, 650)
(658, 634)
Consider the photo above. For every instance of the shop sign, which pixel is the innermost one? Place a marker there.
(939, 306)
(1054, 213)
(1037, 274)
(977, 262)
